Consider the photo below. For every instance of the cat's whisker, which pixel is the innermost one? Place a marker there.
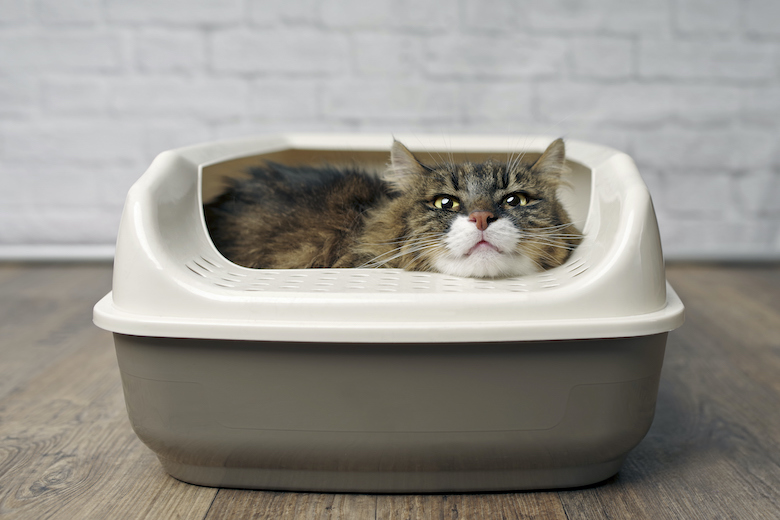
(522, 154)
(511, 153)
(440, 160)
(556, 246)
(401, 243)
(379, 261)
(541, 249)
(540, 254)
(547, 241)
(564, 225)
(527, 234)
(552, 238)
(404, 249)
(449, 153)
(551, 229)
(406, 238)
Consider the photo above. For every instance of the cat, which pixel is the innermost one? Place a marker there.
(486, 220)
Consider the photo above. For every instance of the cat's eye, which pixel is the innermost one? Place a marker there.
(516, 199)
(447, 202)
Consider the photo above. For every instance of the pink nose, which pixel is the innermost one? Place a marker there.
(482, 219)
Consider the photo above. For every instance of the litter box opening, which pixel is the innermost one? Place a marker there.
(170, 280)
(575, 195)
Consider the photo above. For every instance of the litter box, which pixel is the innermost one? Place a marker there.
(383, 380)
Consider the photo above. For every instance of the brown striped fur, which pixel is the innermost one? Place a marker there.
(304, 217)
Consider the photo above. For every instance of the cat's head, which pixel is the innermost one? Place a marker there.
(490, 219)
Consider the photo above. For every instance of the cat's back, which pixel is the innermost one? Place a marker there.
(293, 217)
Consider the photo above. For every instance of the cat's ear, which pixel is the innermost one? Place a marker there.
(553, 160)
(403, 165)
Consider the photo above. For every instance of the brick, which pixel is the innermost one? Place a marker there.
(301, 51)
(602, 134)
(707, 60)
(761, 17)
(262, 126)
(494, 15)
(498, 102)
(113, 183)
(71, 52)
(355, 13)
(15, 224)
(614, 16)
(762, 105)
(707, 16)
(699, 194)
(46, 184)
(657, 184)
(409, 130)
(176, 12)
(60, 12)
(267, 13)
(14, 11)
(774, 246)
(171, 133)
(47, 224)
(167, 51)
(597, 103)
(18, 96)
(560, 15)
(481, 57)
(387, 54)
(263, 13)
(602, 58)
(74, 95)
(213, 99)
(284, 99)
(759, 192)
(731, 149)
(701, 237)
(517, 129)
(705, 104)
(521, 132)
(82, 141)
(390, 101)
(425, 15)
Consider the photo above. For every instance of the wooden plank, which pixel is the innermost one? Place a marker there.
(66, 447)
(68, 451)
(537, 506)
(741, 313)
(8, 271)
(267, 505)
(44, 311)
(263, 505)
(713, 449)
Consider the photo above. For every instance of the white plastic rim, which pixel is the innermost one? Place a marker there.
(170, 281)
(669, 318)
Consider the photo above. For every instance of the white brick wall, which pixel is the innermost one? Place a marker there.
(92, 90)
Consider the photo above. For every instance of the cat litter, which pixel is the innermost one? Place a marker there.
(383, 380)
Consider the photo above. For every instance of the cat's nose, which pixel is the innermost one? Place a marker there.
(482, 219)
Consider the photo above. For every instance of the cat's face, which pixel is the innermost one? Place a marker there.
(491, 219)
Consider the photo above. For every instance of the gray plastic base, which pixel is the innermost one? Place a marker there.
(391, 418)
(393, 482)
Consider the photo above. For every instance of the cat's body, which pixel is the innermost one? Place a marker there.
(484, 220)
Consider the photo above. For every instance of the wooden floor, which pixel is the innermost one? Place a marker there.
(67, 450)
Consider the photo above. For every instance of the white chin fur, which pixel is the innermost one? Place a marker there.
(483, 263)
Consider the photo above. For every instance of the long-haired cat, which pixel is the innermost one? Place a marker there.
(490, 219)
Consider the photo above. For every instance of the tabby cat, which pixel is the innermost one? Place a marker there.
(488, 220)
